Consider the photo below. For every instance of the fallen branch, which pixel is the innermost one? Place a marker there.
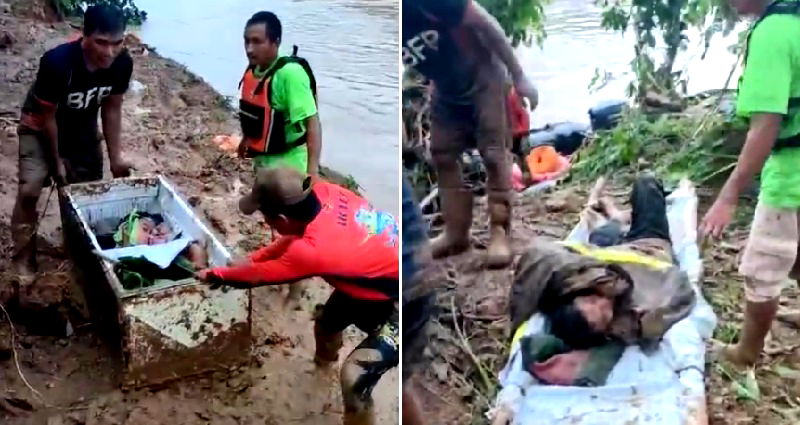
(487, 383)
(16, 356)
(475, 317)
(429, 198)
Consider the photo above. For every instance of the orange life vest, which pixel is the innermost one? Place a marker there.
(263, 127)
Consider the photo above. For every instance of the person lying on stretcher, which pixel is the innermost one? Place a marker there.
(620, 289)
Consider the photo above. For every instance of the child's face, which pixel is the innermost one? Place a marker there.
(141, 234)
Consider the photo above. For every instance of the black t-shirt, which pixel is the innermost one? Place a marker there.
(64, 81)
(430, 45)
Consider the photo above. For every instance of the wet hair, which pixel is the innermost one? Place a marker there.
(271, 23)
(104, 19)
(568, 324)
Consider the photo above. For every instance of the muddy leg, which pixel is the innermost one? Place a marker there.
(292, 301)
(768, 260)
(329, 323)
(327, 346)
(363, 369)
(448, 142)
(33, 171)
(758, 317)
(493, 137)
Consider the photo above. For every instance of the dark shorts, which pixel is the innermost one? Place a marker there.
(341, 311)
(483, 124)
(648, 218)
(375, 355)
(34, 163)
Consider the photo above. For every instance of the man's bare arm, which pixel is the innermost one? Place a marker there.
(50, 128)
(314, 141)
(764, 130)
(493, 35)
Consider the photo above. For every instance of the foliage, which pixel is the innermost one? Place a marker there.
(77, 7)
(701, 147)
(522, 20)
(347, 181)
(669, 20)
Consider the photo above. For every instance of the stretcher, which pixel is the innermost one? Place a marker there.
(665, 387)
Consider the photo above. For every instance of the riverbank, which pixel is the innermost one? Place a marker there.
(170, 118)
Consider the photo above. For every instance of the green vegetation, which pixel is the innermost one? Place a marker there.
(669, 20)
(72, 8)
(522, 20)
(701, 146)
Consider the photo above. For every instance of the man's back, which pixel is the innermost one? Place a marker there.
(438, 44)
(353, 238)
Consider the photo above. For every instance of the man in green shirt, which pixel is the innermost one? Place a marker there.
(769, 95)
(278, 108)
(279, 113)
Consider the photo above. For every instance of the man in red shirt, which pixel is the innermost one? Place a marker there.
(330, 232)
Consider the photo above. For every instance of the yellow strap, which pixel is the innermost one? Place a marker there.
(617, 256)
(519, 332)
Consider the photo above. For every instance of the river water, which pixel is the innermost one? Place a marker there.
(576, 46)
(352, 47)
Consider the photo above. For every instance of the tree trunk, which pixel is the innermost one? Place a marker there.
(672, 38)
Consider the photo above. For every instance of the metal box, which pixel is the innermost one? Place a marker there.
(173, 329)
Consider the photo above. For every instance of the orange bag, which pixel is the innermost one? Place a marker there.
(545, 163)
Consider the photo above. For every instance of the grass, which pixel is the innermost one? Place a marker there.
(697, 146)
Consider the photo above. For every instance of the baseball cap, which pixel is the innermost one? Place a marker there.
(275, 189)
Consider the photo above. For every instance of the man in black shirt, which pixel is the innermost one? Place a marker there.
(463, 50)
(58, 133)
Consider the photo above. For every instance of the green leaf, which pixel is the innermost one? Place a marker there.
(747, 389)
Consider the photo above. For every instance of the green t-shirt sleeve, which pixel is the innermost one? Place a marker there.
(766, 82)
(293, 93)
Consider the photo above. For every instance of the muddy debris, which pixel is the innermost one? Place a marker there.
(15, 406)
(276, 339)
(7, 40)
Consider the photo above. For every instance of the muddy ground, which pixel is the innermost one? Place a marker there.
(452, 390)
(169, 122)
